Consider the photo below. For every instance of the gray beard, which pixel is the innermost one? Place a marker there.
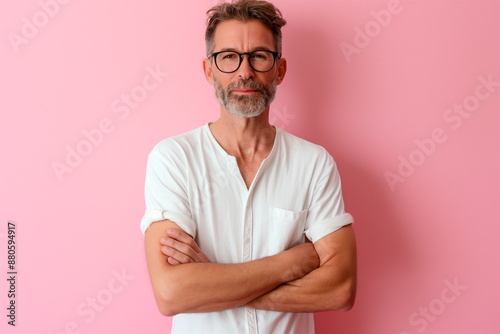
(243, 105)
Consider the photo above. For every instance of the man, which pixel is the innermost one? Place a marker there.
(229, 205)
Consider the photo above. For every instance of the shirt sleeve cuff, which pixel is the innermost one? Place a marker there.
(184, 222)
(327, 226)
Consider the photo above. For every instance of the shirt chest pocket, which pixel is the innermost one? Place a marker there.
(286, 229)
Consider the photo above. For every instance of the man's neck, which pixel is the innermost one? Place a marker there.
(248, 139)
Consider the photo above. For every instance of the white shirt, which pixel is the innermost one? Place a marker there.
(296, 192)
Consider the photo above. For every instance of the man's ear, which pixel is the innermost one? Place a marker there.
(281, 70)
(207, 69)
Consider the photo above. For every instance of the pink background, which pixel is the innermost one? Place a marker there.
(369, 107)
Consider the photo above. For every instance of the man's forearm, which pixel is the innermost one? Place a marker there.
(314, 292)
(330, 287)
(208, 287)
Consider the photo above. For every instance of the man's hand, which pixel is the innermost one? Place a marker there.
(180, 248)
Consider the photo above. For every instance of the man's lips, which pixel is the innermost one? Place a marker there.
(245, 91)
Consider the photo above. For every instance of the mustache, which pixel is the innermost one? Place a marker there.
(245, 84)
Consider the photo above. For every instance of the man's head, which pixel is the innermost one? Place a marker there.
(244, 26)
(245, 11)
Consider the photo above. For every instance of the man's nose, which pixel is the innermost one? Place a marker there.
(245, 71)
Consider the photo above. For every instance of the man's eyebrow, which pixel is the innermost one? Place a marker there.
(228, 49)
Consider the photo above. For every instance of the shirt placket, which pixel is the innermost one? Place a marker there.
(247, 242)
(247, 256)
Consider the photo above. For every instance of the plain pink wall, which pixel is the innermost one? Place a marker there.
(397, 91)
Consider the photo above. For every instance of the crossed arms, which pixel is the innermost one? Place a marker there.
(305, 278)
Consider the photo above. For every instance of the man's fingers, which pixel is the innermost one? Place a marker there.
(172, 261)
(183, 237)
(180, 247)
(174, 256)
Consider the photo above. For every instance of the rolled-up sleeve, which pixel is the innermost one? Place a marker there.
(326, 213)
(165, 191)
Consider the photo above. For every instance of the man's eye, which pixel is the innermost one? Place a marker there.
(229, 56)
(260, 56)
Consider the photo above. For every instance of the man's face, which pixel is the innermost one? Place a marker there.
(246, 92)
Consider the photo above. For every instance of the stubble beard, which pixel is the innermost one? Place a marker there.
(245, 105)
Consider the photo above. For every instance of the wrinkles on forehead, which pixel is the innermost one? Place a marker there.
(240, 36)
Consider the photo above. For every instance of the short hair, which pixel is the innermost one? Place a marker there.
(245, 11)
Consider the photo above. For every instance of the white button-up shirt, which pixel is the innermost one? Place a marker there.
(296, 192)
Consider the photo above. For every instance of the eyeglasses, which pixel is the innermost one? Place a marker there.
(230, 61)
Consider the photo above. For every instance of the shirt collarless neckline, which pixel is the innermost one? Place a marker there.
(219, 148)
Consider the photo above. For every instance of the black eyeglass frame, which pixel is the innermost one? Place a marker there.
(274, 53)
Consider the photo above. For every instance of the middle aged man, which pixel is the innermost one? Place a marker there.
(229, 205)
